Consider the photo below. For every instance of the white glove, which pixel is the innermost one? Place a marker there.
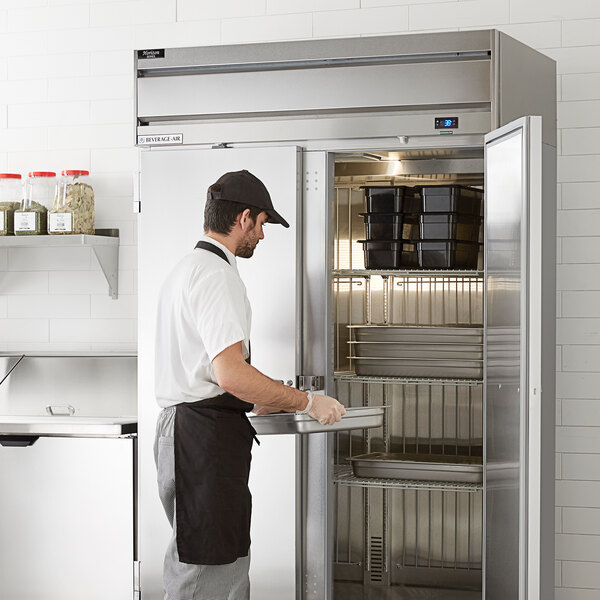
(325, 409)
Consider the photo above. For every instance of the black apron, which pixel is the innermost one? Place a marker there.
(213, 505)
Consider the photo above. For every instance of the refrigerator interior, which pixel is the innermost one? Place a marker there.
(397, 538)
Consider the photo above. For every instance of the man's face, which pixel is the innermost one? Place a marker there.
(251, 238)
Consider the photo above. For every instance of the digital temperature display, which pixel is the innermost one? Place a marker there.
(446, 122)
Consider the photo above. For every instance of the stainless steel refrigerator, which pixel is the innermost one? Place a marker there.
(319, 122)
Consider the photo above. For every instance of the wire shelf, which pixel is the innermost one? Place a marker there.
(352, 378)
(345, 476)
(445, 273)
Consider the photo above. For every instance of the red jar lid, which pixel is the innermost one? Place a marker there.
(10, 176)
(76, 172)
(41, 174)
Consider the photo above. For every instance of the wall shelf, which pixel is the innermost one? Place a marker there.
(105, 244)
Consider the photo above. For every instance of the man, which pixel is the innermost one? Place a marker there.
(205, 387)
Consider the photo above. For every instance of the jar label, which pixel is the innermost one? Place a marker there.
(25, 221)
(60, 222)
(2, 220)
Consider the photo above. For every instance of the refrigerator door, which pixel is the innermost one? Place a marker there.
(173, 189)
(519, 453)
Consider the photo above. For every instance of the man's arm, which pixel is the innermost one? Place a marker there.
(245, 382)
(237, 377)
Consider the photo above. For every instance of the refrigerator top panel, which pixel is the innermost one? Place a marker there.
(313, 92)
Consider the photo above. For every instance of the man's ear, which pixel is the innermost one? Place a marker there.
(245, 220)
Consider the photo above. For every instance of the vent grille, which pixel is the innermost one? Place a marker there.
(376, 553)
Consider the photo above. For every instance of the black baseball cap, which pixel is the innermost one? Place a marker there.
(245, 188)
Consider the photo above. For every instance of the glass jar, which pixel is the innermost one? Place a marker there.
(73, 209)
(31, 218)
(11, 194)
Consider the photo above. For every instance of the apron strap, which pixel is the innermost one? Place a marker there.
(212, 248)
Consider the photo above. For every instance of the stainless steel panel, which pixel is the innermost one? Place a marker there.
(316, 50)
(96, 386)
(526, 84)
(66, 517)
(418, 335)
(355, 418)
(395, 86)
(405, 367)
(416, 350)
(505, 392)
(321, 133)
(173, 182)
(548, 375)
(315, 511)
(426, 467)
(520, 394)
(67, 426)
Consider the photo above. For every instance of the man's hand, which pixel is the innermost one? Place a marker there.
(326, 410)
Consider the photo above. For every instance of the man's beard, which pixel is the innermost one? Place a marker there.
(246, 248)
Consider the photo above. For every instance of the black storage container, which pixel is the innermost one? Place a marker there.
(448, 254)
(383, 226)
(392, 199)
(383, 254)
(450, 226)
(452, 198)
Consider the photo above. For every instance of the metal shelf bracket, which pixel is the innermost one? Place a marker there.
(108, 259)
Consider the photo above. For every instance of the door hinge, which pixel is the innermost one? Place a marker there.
(137, 590)
(311, 382)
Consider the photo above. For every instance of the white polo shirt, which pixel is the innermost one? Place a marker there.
(202, 309)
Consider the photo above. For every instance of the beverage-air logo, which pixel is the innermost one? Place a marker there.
(160, 140)
(156, 53)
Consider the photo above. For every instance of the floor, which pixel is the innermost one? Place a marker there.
(344, 590)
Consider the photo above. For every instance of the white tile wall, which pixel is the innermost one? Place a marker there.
(192, 10)
(580, 467)
(580, 358)
(537, 35)
(583, 440)
(66, 89)
(291, 6)
(580, 304)
(580, 141)
(580, 195)
(468, 13)
(55, 18)
(366, 20)
(274, 27)
(580, 574)
(584, 32)
(578, 547)
(62, 306)
(585, 86)
(132, 12)
(581, 520)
